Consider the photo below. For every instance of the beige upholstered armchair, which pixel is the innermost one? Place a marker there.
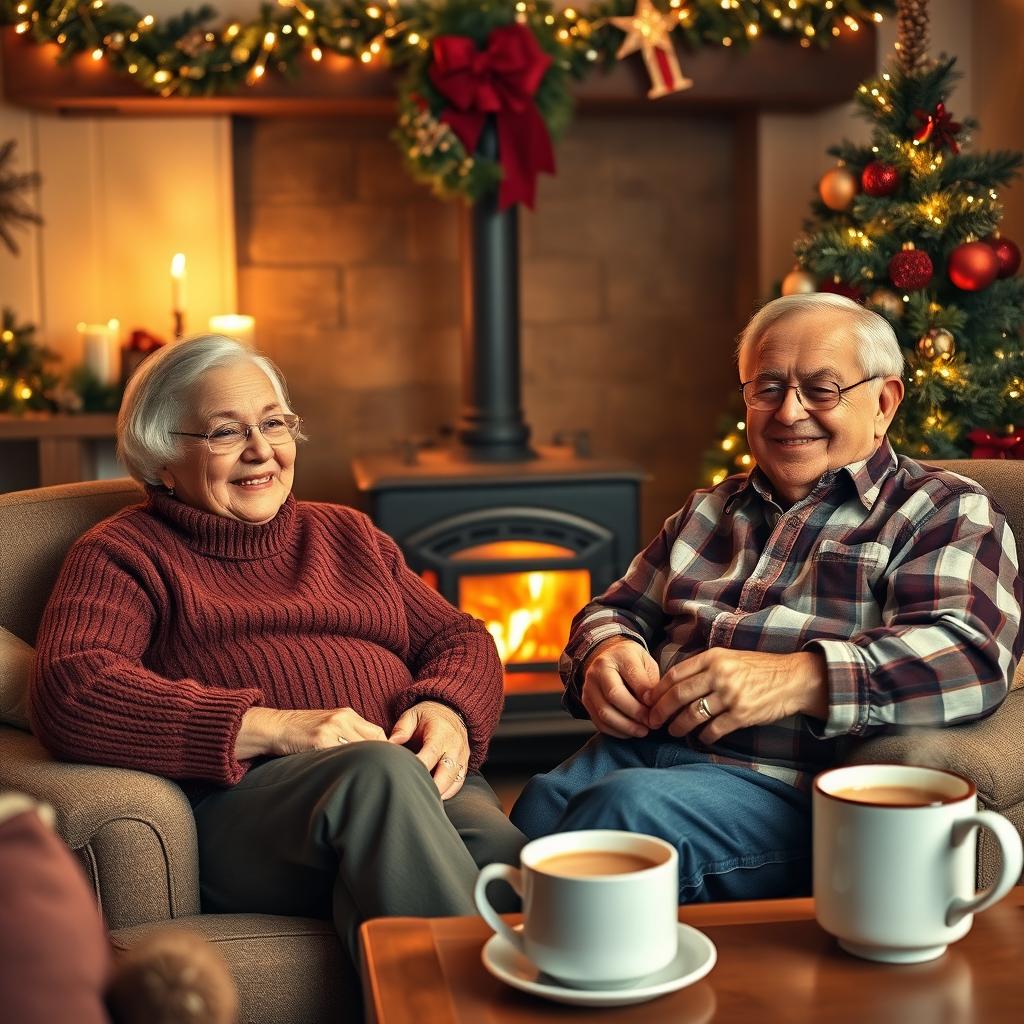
(135, 835)
(989, 752)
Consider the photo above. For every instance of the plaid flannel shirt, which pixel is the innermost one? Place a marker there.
(904, 577)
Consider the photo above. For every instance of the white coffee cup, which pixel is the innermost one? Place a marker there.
(591, 930)
(895, 881)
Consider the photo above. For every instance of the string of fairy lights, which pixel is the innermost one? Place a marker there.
(186, 56)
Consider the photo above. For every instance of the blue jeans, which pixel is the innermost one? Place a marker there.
(740, 834)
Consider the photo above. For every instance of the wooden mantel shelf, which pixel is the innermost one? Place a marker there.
(772, 75)
(63, 441)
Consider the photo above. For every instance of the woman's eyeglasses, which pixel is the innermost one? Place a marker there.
(768, 395)
(230, 436)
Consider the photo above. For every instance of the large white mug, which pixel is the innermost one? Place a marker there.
(592, 930)
(895, 859)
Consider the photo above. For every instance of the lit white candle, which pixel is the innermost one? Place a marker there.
(101, 352)
(178, 280)
(234, 325)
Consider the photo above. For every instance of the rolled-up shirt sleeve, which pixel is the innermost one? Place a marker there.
(950, 632)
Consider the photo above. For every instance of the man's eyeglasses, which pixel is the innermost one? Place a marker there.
(768, 395)
(231, 436)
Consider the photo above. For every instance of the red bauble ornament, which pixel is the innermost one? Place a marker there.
(850, 291)
(1007, 253)
(880, 179)
(973, 266)
(910, 269)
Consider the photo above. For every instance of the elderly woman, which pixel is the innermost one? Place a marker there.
(324, 709)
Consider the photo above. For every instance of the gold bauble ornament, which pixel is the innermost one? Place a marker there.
(888, 302)
(938, 343)
(799, 282)
(837, 188)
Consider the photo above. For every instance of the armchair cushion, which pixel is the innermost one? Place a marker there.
(104, 812)
(15, 667)
(289, 970)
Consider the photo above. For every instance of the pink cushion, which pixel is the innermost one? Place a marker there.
(54, 955)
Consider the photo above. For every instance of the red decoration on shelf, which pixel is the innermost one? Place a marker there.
(1007, 253)
(939, 128)
(910, 269)
(880, 179)
(973, 266)
(996, 446)
(139, 345)
(501, 79)
(850, 291)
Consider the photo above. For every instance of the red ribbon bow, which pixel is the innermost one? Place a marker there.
(996, 446)
(501, 80)
(939, 127)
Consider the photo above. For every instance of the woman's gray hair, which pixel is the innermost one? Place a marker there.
(878, 349)
(157, 399)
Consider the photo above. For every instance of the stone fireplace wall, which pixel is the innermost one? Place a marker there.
(629, 309)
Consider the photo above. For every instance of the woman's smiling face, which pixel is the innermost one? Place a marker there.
(250, 483)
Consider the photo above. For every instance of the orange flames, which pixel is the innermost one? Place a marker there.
(528, 613)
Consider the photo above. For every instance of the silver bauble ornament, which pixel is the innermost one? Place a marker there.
(938, 343)
(888, 302)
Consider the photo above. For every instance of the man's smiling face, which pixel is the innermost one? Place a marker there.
(794, 446)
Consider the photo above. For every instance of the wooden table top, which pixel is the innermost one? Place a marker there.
(774, 965)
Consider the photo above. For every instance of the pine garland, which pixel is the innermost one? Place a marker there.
(188, 56)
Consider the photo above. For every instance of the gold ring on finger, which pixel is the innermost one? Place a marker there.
(704, 710)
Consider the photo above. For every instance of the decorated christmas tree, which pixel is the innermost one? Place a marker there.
(908, 224)
(25, 382)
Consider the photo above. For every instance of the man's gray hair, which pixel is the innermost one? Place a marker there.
(878, 349)
(158, 396)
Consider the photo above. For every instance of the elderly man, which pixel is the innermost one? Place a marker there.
(835, 590)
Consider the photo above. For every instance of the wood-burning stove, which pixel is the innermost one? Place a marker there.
(520, 545)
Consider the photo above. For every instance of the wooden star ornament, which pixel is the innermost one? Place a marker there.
(649, 31)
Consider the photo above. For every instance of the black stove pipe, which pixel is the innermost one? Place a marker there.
(491, 427)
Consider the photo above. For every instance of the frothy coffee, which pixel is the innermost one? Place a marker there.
(893, 796)
(580, 863)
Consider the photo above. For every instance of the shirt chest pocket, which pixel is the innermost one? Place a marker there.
(849, 572)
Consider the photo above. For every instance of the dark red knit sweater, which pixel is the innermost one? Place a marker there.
(167, 623)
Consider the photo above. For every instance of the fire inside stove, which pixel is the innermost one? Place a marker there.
(527, 611)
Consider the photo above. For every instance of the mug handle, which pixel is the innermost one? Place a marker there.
(514, 877)
(1013, 862)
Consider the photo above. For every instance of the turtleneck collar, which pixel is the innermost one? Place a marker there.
(220, 537)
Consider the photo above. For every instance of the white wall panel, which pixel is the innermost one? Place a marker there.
(119, 197)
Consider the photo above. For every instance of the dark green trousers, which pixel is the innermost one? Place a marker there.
(350, 833)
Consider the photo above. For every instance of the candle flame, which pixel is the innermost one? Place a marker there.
(178, 265)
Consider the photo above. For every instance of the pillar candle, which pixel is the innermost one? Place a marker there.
(178, 281)
(234, 325)
(101, 351)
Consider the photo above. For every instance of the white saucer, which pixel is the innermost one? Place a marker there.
(695, 958)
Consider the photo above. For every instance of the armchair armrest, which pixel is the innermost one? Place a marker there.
(134, 833)
(989, 752)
